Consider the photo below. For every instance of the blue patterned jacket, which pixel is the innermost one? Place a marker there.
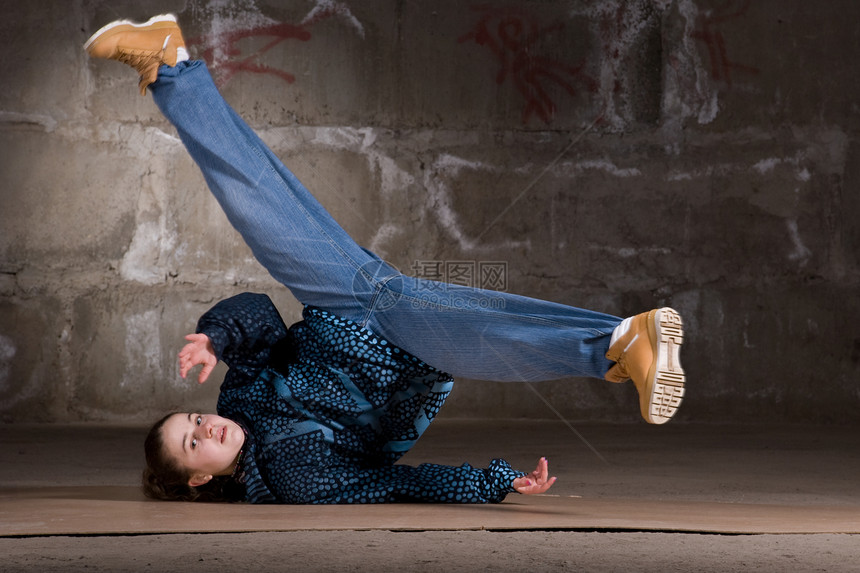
(328, 408)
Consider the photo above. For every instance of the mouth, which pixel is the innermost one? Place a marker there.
(222, 435)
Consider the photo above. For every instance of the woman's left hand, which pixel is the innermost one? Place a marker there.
(536, 482)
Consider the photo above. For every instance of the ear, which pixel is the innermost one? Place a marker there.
(199, 479)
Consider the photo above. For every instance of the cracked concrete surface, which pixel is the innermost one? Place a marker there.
(654, 484)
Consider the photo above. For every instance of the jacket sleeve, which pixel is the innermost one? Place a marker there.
(243, 329)
(429, 483)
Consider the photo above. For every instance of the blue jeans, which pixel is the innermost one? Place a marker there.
(464, 331)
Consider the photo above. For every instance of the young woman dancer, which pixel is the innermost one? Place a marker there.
(321, 411)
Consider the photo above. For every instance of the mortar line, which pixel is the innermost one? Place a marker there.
(551, 164)
(323, 182)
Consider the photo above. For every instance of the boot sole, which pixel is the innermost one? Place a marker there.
(156, 22)
(666, 376)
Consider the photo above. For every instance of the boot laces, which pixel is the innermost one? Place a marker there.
(140, 60)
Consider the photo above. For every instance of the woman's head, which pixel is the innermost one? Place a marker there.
(186, 454)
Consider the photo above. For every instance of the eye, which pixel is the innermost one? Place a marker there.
(199, 420)
(193, 443)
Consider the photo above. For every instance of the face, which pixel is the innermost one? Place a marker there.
(205, 444)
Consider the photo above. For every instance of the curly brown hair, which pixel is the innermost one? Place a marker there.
(166, 480)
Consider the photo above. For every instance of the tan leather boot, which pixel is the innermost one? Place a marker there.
(649, 354)
(142, 46)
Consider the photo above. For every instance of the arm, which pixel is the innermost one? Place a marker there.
(240, 330)
(401, 483)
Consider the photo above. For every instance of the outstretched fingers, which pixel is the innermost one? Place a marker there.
(199, 350)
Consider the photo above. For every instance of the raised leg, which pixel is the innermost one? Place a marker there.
(289, 232)
(465, 331)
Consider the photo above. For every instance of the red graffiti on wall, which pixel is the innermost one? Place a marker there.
(708, 32)
(513, 37)
(234, 61)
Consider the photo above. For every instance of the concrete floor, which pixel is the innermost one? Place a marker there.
(636, 497)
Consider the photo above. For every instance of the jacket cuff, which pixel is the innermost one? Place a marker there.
(503, 476)
(217, 336)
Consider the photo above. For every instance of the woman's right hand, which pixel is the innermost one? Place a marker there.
(198, 351)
